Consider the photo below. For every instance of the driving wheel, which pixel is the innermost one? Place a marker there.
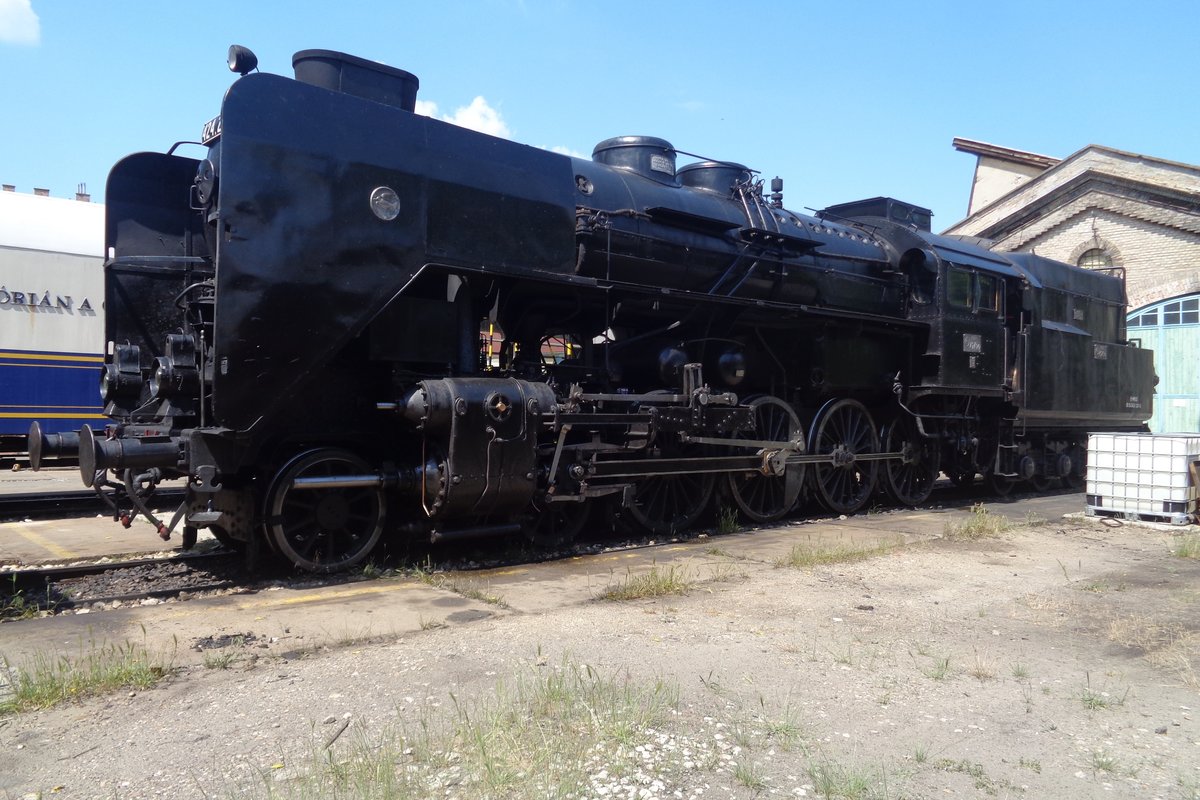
(844, 430)
(324, 529)
(909, 479)
(767, 497)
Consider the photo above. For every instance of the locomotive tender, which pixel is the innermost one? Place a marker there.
(294, 324)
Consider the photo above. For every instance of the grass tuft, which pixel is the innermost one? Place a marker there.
(804, 556)
(543, 733)
(655, 583)
(834, 780)
(982, 524)
(1187, 545)
(727, 520)
(50, 680)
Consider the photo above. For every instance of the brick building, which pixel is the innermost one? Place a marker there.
(1101, 209)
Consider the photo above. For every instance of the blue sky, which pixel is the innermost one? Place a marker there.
(843, 100)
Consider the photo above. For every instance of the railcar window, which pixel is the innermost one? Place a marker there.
(958, 287)
(987, 295)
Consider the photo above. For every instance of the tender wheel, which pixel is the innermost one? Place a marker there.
(909, 479)
(1076, 478)
(764, 498)
(1040, 483)
(999, 485)
(668, 504)
(844, 430)
(324, 530)
(557, 524)
(962, 478)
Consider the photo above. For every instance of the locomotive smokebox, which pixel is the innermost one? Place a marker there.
(339, 72)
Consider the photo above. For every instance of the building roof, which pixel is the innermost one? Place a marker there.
(1162, 187)
(54, 224)
(1004, 153)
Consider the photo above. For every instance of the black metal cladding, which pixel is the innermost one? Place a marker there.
(370, 80)
(157, 248)
(296, 159)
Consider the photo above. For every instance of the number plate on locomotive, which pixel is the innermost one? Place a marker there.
(211, 131)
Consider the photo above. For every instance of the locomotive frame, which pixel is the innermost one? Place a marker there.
(295, 322)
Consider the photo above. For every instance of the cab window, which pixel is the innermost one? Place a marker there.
(987, 293)
(958, 287)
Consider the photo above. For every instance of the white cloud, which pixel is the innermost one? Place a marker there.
(564, 151)
(478, 116)
(18, 23)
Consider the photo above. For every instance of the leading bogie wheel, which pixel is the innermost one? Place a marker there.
(765, 497)
(844, 430)
(324, 529)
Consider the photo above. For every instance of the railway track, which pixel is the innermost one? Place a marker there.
(27, 591)
(53, 505)
(24, 592)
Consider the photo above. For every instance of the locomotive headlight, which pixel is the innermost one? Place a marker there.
(121, 379)
(116, 384)
(162, 375)
(168, 379)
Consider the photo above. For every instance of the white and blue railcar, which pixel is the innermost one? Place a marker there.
(51, 315)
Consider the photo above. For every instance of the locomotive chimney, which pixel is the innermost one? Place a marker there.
(339, 72)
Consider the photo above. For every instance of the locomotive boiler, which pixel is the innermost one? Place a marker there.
(348, 320)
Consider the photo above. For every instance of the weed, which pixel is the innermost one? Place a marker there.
(1031, 764)
(806, 555)
(940, 669)
(1168, 645)
(1020, 671)
(655, 583)
(1099, 701)
(970, 769)
(981, 669)
(749, 774)
(1187, 545)
(1027, 697)
(542, 732)
(784, 730)
(982, 524)
(1103, 762)
(920, 754)
(713, 684)
(1034, 520)
(15, 604)
(727, 520)
(431, 624)
(834, 780)
(49, 680)
(222, 660)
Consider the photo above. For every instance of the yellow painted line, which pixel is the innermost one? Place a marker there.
(51, 357)
(28, 534)
(340, 594)
(268, 603)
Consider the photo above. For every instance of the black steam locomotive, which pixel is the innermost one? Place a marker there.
(349, 318)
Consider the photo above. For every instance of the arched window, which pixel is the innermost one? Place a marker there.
(1096, 258)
